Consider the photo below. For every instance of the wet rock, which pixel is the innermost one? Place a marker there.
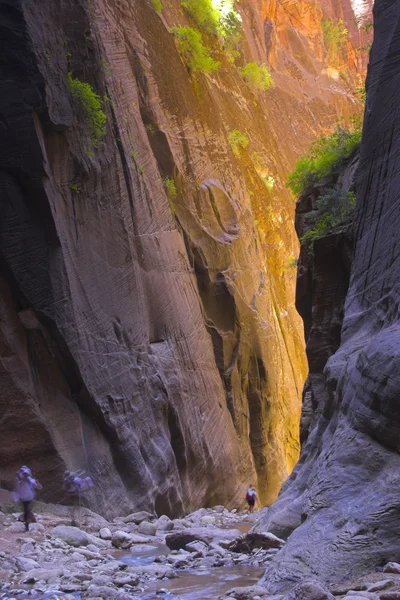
(146, 528)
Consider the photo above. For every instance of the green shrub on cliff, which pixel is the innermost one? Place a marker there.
(195, 55)
(157, 5)
(91, 104)
(257, 76)
(238, 141)
(203, 12)
(324, 157)
(170, 187)
(335, 35)
(334, 208)
(231, 29)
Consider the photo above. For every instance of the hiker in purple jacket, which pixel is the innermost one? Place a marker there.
(75, 485)
(25, 486)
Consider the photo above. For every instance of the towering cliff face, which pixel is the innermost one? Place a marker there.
(344, 495)
(153, 340)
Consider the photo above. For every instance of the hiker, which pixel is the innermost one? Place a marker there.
(251, 495)
(25, 486)
(74, 485)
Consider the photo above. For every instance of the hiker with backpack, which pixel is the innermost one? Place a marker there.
(25, 492)
(75, 485)
(251, 495)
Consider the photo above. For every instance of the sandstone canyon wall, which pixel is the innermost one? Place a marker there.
(153, 342)
(341, 504)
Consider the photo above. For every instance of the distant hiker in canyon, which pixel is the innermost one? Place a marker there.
(75, 484)
(25, 491)
(251, 495)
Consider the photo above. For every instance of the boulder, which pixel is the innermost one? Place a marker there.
(105, 533)
(122, 579)
(121, 539)
(391, 567)
(16, 528)
(164, 523)
(138, 517)
(147, 528)
(71, 535)
(309, 590)
(179, 539)
(42, 575)
(27, 564)
(102, 591)
(196, 547)
(208, 520)
(248, 542)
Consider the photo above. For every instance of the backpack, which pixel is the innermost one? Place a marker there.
(249, 496)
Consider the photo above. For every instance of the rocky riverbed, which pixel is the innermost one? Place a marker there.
(207, 555)
(133, 557)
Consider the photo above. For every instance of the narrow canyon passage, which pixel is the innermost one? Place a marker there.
(152, 334)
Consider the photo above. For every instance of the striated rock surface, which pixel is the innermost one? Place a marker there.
(152, 340)
(342, 500)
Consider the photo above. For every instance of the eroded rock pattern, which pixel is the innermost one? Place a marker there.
(153, 340)
(345, 491)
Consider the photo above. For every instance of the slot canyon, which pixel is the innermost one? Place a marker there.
(179, 318)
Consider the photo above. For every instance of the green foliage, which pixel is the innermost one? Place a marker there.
(195, 55)
(157, 5)
(231, 29)
(335, 35)
(238, 141)
(324, 157)
(362, 93)
(75, 189)
(106, 68)
(368, 26)
(257, 76)
(202, 11)
(269, 182)
(91, 104)
(150, 128)
(291, 262)
(170, 187)
(334, 208)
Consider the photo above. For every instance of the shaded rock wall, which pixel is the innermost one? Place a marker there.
(153, 340)
(343, 496)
